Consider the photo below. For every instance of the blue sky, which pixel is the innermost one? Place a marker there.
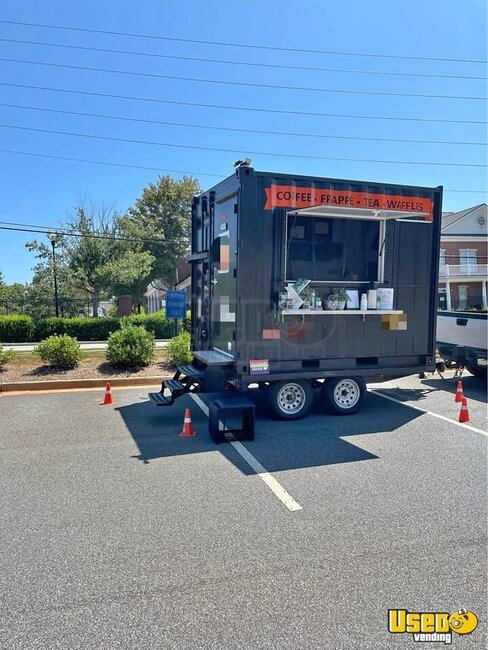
(43, 191)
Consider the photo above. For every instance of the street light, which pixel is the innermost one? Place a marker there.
(54, 239)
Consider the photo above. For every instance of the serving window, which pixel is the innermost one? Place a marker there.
(332, 249)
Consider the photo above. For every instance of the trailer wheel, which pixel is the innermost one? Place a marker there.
(290, 400)
(476, 371)
(344, 395)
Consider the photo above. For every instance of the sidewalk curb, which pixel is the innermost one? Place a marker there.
(69, 384)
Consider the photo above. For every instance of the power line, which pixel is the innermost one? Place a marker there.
(71, 232)
(36, 225)
(235, 151)
(62, 233)
(244, 45)
(236, 130)
(244, 63)
(111, 164)
(30, 228)
(467, 191)
(158, 169)
(244, 84)
(242, 108)
(130, 239)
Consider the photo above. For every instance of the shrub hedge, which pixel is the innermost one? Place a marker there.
(82, 328)
(16, 329)
(22, 329)
(160, 326)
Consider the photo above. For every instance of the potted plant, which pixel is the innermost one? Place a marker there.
(306, 296)
(330, 302)
(341, 298)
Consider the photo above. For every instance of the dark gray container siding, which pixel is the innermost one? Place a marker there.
(321, 345)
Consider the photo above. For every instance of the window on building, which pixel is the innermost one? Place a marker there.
(442, 259)
(467, 259)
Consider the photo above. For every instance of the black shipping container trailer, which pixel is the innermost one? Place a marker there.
(263, 242)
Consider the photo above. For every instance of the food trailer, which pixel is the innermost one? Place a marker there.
(303, 282)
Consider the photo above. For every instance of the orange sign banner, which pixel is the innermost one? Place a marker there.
(290, 196)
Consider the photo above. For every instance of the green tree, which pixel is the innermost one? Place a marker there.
(13, 298)
(129, 272)
(73, 301)
(3, 295)
(163, 212)
(92, 260)
(87, 255)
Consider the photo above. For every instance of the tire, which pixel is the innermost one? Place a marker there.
(344, 395)
(476, 370)
(290, 400)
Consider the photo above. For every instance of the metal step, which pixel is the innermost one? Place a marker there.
(190, 371)
(160, 400)
(174, 384)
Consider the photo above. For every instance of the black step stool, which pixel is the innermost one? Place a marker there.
(223, 406)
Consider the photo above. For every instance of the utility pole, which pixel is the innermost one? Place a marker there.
(54, 238)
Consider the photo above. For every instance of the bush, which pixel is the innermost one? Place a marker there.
(60, 351)
(82, 328)
(178, 350)
(113, 311)
(158, 324)
(16, 329)
(5, 355)
(131, 346)
(22, 329)
(187, 322)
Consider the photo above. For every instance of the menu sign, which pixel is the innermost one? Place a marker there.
(291, 196)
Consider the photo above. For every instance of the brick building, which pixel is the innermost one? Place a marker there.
(463, 259)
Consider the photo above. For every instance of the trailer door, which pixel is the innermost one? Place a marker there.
(223, 265)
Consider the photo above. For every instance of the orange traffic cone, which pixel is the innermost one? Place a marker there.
(187, 426)
(108, 395)
(464, 413)
(459, 392)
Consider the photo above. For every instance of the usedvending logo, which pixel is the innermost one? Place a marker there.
(432, 626)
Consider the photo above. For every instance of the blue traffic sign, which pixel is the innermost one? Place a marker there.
(176, 304)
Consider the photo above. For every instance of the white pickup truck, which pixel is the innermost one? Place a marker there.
(462, 338)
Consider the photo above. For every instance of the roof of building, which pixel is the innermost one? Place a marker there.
(182, 275)
(448, 218)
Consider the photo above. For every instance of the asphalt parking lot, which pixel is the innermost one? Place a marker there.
(117, 533)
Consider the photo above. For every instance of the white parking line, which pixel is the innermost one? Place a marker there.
(278, 490)
(436, 415)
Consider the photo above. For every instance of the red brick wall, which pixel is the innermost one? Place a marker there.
(452, 250)
(474, 293)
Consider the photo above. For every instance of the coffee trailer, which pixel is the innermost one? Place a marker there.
(265, 248)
